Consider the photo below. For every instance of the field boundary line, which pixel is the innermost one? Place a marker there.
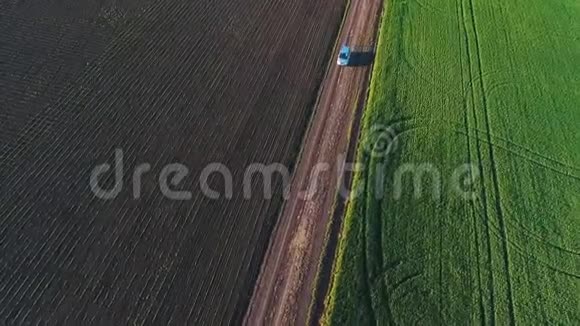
(299, 158)
(339, 209)
(357, 179)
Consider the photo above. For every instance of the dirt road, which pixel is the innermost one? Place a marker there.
(284, 290)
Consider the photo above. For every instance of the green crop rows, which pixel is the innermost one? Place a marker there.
(494, 84)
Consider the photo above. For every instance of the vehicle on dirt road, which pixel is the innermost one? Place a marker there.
(355, 55)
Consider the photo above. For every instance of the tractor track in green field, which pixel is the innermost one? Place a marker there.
(374, 281)
(468, 92)
(470, 206)
(476, 91)
(499, 210)
(551, 162)
(524, 253)
(376, 238)
(534, 161)
(490, 281)
(365, 268)
(466, 132)
(493, 165)
(527, 154)
(554, 165)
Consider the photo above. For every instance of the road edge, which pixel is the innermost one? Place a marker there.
(314, 109)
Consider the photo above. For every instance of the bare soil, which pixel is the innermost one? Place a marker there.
(190, 82)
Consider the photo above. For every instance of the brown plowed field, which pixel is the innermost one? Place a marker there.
(192, 82)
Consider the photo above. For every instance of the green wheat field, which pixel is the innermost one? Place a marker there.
(491, 85)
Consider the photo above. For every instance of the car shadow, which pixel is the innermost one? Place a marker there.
(361, 58)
